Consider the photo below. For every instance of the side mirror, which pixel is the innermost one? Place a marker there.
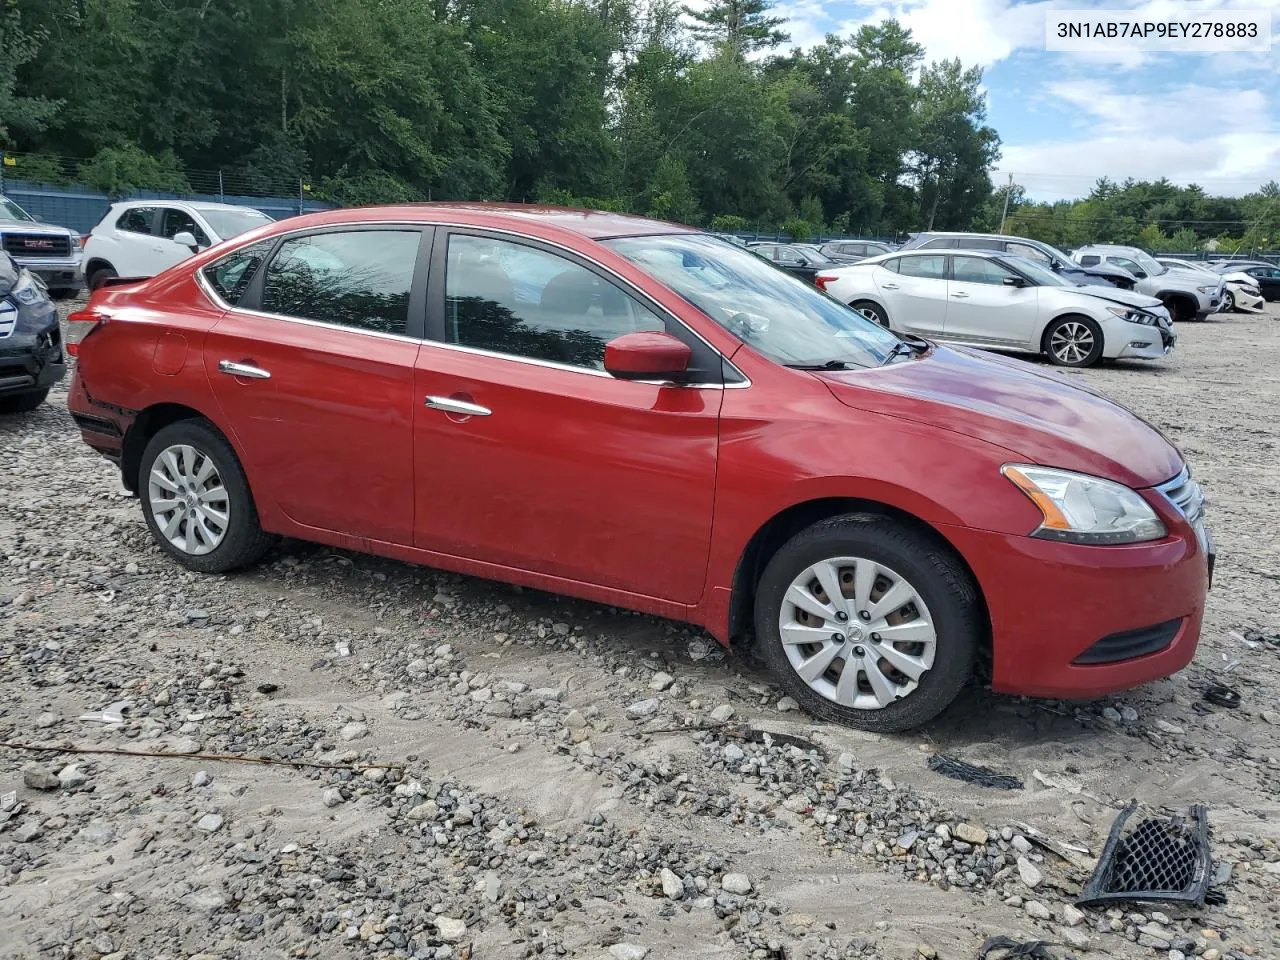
(187, 239)
(646, 356)
(1014, 282)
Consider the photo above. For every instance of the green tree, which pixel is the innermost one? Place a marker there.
(738, 27)
(670, 195)
(18, 48)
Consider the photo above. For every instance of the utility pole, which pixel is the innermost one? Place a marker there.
(1007, 191)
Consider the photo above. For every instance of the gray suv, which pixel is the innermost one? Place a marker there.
(1188, 295)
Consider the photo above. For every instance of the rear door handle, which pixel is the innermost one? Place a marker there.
(961, 296)
(463, 407)
(246, 370)
(889, 286)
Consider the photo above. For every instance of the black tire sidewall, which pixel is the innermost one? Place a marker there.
(929, 567)
(100, 274)
(1095, 355)
(880, 317)
(243, 543)
(23, 402)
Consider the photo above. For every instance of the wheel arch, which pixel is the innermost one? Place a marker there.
(786, 523)
(146, 425)
(1188, 302)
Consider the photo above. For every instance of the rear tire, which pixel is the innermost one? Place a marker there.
(99, 275)
(196, 499)
(872, 311)
(23, 402)
(1073, 341)
(934, 615)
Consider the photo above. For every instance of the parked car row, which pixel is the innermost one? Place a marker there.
(644, 415)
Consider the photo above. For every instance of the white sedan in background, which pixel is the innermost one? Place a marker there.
(1242, 291)
(1003, 302)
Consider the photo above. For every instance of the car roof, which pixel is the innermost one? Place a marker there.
(177, 202)
(592, 224)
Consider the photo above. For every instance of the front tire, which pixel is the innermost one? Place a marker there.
(872, 311)
(1073, 341)
(1230, 306)
(23, 402)
(868, 622)
(196, 499)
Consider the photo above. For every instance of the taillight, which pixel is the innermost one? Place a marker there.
(823, 281)
(76, 334)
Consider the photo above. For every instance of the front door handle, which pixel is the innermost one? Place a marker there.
(462, 407)
(246, 370)
(889, 286)
(961, 296)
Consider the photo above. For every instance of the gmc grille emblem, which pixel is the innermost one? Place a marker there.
(39, 244)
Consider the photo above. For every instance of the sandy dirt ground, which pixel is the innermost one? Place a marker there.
(464, 769)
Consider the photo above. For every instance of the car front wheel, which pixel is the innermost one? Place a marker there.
(196, 499)
(1073, 342)
(868, 622)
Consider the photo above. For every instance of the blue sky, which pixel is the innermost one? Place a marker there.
(1068, 118)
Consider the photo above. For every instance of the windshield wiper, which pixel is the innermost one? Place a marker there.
(900, 349)
(826, 365)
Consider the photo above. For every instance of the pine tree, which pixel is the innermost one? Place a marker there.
(738, 26)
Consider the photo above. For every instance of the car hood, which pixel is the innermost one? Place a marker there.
(1037, 414)
(40, 229)
(1191, 278)
(1239, 278)
(1129, 298)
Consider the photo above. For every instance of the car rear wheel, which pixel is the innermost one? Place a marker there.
(197, 501)
(1073, 342)
(867, 622)
(872, 311)
(100, 275)
(23, 402)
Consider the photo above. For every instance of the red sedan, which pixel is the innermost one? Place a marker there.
(644, 415)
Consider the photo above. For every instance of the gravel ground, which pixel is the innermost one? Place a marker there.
(457, 768)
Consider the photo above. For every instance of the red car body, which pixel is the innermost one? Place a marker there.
(658, 498)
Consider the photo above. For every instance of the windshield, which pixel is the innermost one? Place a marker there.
(10, 211)
(874, 247)
(784, 318)
(1150, 264)
(229, 223)
(1038, 273)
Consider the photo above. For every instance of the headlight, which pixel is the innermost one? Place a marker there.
(1207, 289)
(27, 290)
(1133, 316)
(1078, 508)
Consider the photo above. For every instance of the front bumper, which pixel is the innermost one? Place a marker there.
(1143, 342)
(64, 273)
(1247, 303)
(30, 367)
(1051, 603)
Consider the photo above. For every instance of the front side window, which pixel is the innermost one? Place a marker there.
(174, 221)
(976, 243)
(1129, 265)
(358, 278)
(978, 270)
(789, 256)
(510, 298)
(781, 316)
(231, 275)
(940, 243)
(1030, 252)
(137, 220)
(930, 268)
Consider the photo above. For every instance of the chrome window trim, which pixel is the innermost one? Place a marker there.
(212, 294)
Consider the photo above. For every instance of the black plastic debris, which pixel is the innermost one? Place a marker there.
(959, 770)
(1007, 948)
(1161, 858)
(1222, 696)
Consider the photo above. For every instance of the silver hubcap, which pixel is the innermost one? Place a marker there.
(857, 632)
(188, 501)
(1072, 342)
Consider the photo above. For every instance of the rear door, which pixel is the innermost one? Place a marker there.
(313, 366)
(981, 308)
(133, 243)
(916, 295)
